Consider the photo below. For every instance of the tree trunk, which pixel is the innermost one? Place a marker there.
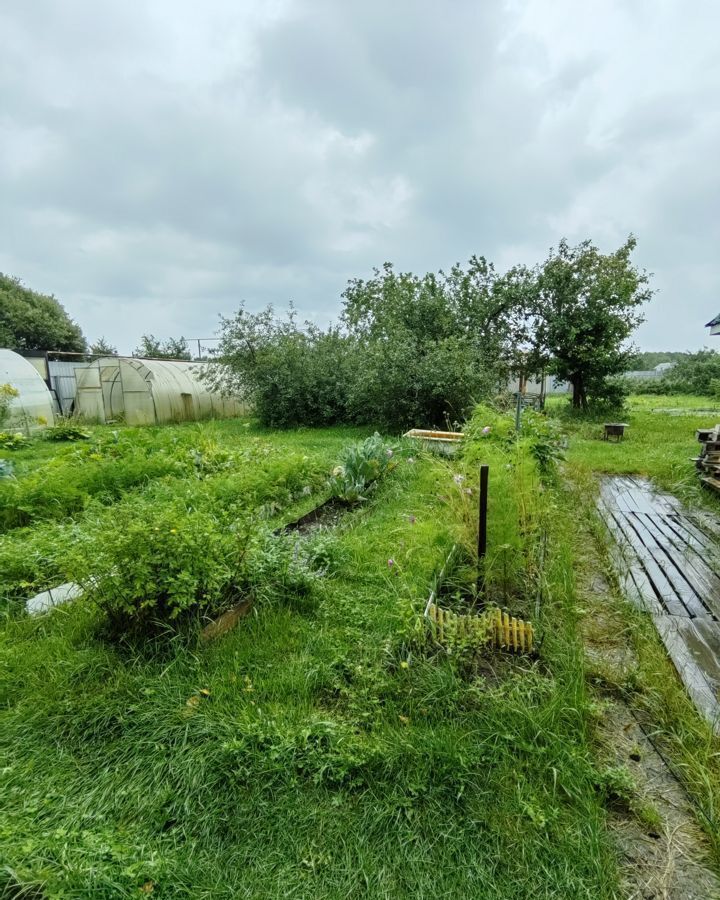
(579, 397)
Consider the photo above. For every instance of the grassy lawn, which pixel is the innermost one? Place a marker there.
(656, 445)
(326, 747)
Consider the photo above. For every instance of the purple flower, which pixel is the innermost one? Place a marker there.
(391, 563)
(486, 430)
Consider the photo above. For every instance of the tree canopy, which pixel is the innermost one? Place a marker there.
(422, 349)
(151, 347)
(583, 308)
(102, 347)
(33, 321)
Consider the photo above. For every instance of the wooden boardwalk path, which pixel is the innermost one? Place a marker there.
(669, 564)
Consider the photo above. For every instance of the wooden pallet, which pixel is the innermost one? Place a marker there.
(669, 564)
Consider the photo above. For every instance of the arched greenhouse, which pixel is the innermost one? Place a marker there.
(148, 392)
(33, 407)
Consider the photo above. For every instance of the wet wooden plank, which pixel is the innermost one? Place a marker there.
(689, 586)
(703, 579)
(683, 538)
(686, 525)
(670, 565)
(663, 587)
(694, 647)
(632, 578)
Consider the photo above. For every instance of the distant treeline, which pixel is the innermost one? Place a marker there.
(693, 373)
(643, 361)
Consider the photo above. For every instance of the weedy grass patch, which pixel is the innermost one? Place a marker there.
(321, 748)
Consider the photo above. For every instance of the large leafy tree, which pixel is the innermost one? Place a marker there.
(33, 321)
(583, 308)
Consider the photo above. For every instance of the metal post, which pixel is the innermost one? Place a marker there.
(518, 410)
(482, 522)
(482, 517)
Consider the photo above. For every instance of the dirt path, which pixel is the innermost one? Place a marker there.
(663, 852)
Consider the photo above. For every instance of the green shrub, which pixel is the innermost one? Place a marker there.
(156, 563)
(547, 442)
(360, 466)
(291, 375)
(608, 394)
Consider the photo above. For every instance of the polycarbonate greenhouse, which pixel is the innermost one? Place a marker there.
(33, 408)
(148, 392)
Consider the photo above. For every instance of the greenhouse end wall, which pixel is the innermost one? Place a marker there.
(33, 408)
(148, 392)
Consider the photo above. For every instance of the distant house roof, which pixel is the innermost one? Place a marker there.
(715, 321)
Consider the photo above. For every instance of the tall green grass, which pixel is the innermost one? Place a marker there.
(318, 750)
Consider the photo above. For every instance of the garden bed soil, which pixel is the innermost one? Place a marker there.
(327, 515)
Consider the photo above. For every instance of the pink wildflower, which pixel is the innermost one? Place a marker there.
(391, 563)
(486, 430)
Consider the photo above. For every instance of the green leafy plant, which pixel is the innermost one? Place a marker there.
(547, 441)
(617, 786)
(12, 440)
(66, 430)
(360, 466)
(7, 395)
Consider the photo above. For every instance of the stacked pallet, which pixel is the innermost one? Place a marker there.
(708, 463)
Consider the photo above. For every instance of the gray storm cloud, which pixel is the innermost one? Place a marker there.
(161, 162)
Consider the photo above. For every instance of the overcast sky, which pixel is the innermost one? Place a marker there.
(161, 161)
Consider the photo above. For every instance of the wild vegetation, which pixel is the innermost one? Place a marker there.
(246, 698)
(325, 736)
(325, 742)
(423, 350)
